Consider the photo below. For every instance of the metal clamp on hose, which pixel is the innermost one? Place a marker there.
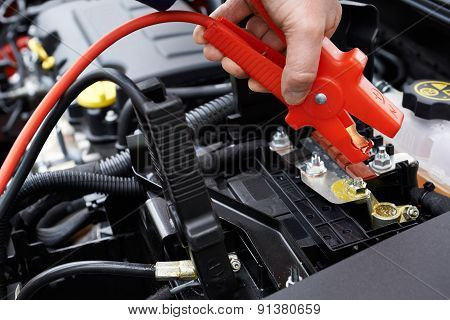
(170, 270)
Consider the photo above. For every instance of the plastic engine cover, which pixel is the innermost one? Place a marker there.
(166, 51)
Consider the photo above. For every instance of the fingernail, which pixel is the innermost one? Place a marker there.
(294, 97)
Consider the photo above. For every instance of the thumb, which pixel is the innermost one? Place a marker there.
(304, 44)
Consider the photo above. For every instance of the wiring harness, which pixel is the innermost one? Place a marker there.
(17, 151)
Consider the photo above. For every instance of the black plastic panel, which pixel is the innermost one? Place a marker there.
(411, 265)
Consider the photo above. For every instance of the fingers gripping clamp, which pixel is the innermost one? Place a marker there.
(340, 89)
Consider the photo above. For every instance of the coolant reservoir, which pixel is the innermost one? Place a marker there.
(425, 133)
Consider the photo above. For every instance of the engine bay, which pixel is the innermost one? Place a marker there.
(156, 157)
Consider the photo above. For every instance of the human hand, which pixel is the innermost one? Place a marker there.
(304, 22)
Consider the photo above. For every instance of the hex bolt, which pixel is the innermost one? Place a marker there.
(235, 262)
(359, 183)
(294, 277)
(280, 140)
(315, 160)
(412, 213)
(315, 166)
(382, 161)
(358, 186)
(321, 98)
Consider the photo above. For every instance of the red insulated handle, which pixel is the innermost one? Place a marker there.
(340, 78)
(256, 58)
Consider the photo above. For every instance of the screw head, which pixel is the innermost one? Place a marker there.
(111, 116)
(321, 98)
(235, 262)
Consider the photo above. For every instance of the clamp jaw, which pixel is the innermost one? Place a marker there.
(340, 89)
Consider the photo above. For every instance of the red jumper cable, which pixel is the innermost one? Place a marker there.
(340, 87)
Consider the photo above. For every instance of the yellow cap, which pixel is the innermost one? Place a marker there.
(101, 94)
(48, 62)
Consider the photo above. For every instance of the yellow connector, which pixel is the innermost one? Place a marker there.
(48, 62)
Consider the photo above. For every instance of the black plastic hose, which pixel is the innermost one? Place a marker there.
(123, 269)
(212, 112)
(21, 69)
(430, 201)
(212, 90)
(116, 165)
(124, 124)
(59, 234)
(162, 294)
(42, 184)
(34, 148)
(127, 85)
(395, 61)
(31, 215)
(52, 232)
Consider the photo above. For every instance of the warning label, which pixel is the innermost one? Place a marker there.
(435, 90)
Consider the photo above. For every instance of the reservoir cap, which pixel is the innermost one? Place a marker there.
(428, 99)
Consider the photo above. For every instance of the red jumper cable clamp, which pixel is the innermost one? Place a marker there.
(339, 90)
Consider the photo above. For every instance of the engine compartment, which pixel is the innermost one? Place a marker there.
(199, 176)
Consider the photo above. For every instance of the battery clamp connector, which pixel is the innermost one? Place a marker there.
(340, 89)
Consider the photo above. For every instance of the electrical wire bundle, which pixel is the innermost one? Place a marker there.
(13, 159)
(44, 118)
(17, 189)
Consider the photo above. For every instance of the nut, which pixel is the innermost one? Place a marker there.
(280, 140)
(382, 161)
(358, 186)
(315, 166)
(235, 262)
(412, 213)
